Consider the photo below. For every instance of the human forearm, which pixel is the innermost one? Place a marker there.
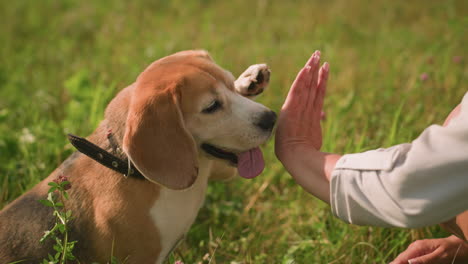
(458, 225)
(403, 185)
(310, 168)
(462, 222)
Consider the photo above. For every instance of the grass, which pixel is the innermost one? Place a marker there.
(62, 62)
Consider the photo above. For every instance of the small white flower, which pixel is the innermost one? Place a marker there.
(41, 166)
(26, 136)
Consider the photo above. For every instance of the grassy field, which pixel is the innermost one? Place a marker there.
(396, 67)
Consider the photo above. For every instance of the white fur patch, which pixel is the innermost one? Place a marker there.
(175, 211)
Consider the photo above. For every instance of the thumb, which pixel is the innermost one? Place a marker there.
(432, 258)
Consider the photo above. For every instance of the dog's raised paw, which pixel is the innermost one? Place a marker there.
(253, 81)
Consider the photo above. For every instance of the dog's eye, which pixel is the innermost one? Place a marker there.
(213, 107)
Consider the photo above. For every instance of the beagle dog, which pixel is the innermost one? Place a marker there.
(184, 120)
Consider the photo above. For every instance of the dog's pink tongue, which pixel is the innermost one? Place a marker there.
(250, 163)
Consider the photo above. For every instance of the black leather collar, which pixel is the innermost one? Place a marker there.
(105, 158)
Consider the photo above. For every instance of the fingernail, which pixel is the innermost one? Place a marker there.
(317, 52)
(326, 66)
(316, 58)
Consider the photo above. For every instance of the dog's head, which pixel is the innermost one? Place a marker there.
(185, 105)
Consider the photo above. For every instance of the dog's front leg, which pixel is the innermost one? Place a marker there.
(253, 81)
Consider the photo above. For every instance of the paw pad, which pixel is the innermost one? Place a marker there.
(253, 81)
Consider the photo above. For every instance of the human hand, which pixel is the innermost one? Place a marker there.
(299, 134)
(435, 251)
(299, 120)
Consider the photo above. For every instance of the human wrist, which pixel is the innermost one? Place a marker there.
(306, 156)
(309, 167)
(292, 152)
(330, 163)
(456, 239)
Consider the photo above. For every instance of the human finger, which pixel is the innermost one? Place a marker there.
(431, 258)
(415, 249)
(300, 89)
(309, 61)
(299, 92)
(312, 85)
(322, 85)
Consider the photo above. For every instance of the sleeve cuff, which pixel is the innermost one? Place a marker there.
(379, 159)
(347, 199)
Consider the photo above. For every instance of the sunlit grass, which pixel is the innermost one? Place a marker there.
(62, 61)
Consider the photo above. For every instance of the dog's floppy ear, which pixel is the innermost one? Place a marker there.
(156, 140)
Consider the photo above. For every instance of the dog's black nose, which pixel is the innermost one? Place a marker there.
(267, 120)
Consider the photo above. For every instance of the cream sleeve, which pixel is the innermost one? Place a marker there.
(409, 185)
